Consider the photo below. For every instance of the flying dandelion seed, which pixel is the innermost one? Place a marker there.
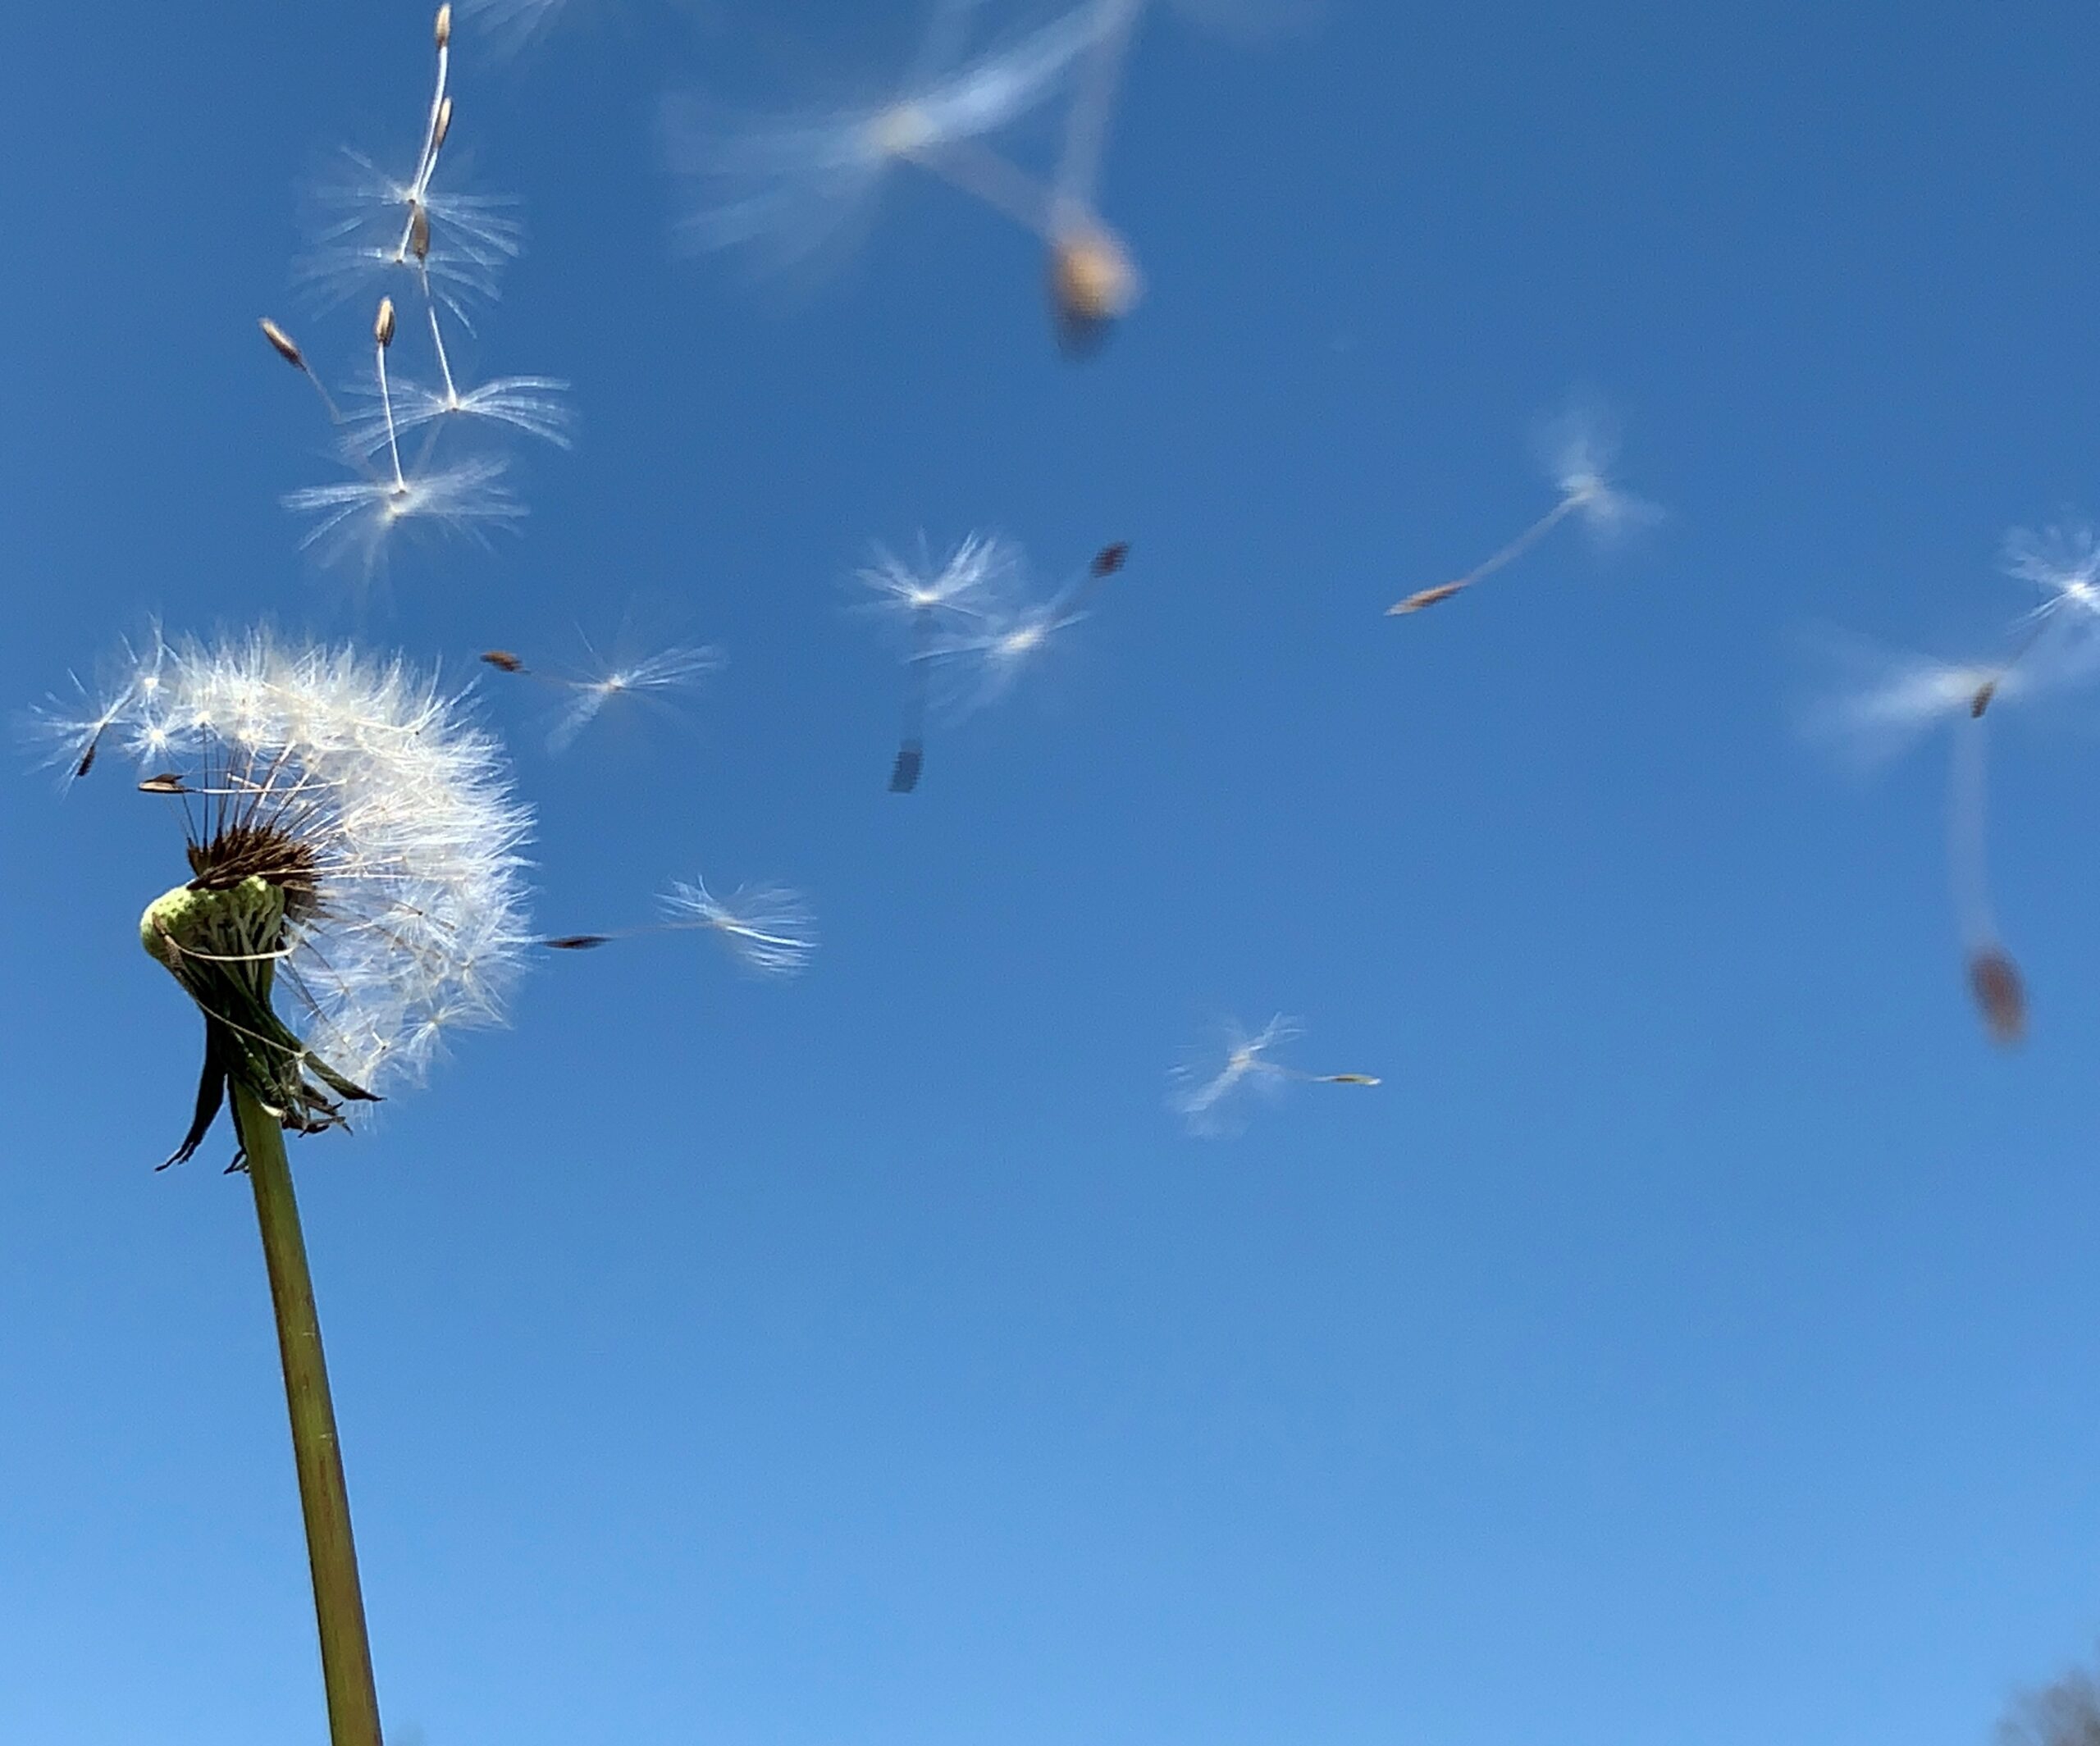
(1213, 1084)
(799, 190)
(446, 246)
(371, 225)
(655, 680)
(1894, 699)
(768, 929)
(977, 665)
(354, 858)
(961, 590)
(1581, 445)
(72, 731)
(2064, 564)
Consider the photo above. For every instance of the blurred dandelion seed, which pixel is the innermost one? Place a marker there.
(1891, 701)
(961, 589)
(655, 680)
(794, 189)
(977, 665)
(1212, 1083)
(1582, 446)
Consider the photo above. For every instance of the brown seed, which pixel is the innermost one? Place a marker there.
(1109, 559)
(1093, 282)
(283, 344)
(419, 233)
(1982, 701)
(1414, 602)
(2001, 997)
(504, 660)
(444, 24)
(167, 783)
(575, 942)
(382, 326)
(87, 758)
(1351, 1078)
(443, 125)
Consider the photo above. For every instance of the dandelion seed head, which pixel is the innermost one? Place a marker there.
(367, 796)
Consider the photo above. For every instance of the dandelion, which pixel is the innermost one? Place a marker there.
(354, 893)
(796, 189)
(1212, 1084)
(959, 591)
(1582, 446)
(978, 666)
(768, 929)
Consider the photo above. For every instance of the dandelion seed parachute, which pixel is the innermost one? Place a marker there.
(767, 928)
(354, 848)
(1210, 1085)
(354, 519)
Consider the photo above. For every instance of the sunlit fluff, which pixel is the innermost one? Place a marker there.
(357, 237)
(408, 921)
(354, 519)
(533, 405)
(965, 584)
(512, 24)
(1213, 1085)
(1879, 702)
(793, 189)
(768, 929)
(2063, 563)
(655, 678)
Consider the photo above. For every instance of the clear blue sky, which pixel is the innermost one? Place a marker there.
(1694, 1340)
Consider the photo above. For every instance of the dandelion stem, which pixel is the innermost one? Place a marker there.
(437, 339)
(1968, 860)
(386, 406)
(1086, 130)
(981, 173)
(338, 1600)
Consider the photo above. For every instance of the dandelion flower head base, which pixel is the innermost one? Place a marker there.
(221, 939)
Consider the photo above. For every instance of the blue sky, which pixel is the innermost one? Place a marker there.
(1692, 1340)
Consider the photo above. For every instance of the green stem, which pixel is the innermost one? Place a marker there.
(338, 1601)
